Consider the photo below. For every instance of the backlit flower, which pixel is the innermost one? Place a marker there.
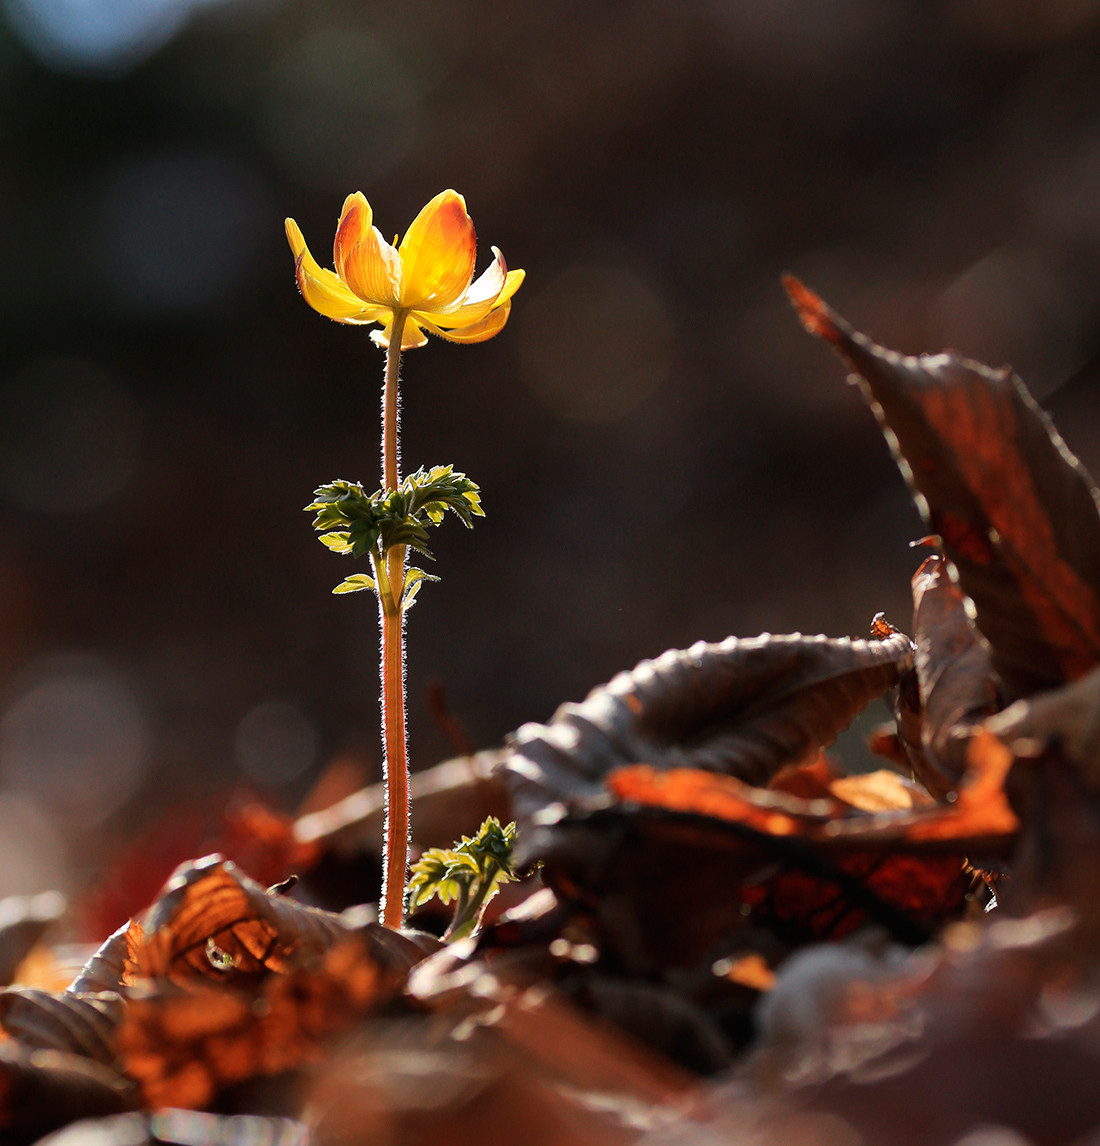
(428, 278)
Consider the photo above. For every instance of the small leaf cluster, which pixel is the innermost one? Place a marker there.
(468, 874)
(357, 523)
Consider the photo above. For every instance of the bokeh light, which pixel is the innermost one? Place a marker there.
(98, 36)
(75, 742)
(33, 855)
(70, 436)
(275, 743)
(174, 231)
(595, 343)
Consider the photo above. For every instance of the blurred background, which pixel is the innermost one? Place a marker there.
(664, 455)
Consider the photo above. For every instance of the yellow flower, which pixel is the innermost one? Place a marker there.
(428, 277)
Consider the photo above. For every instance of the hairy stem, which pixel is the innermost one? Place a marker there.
(395, 761)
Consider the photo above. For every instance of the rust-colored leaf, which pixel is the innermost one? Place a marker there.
(112, 966)
(666, 888)
(1016, 511)
(212, 921)
(953, 676)
(745, 708)
(981, 813)
(184, 1048)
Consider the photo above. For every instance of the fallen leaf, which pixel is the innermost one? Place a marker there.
(744, 708)
(1068, 717)
(184, 1048)
(881, 791)
(1016, 511)
(213, 922)
(76, 1024)
(954, 678)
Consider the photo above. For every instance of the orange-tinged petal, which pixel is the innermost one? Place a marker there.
(437, 255)
(472, 310)
(477, 332)
(322, 289)
(372, 269)
(479, 299)
(363, 259)
(357, 206)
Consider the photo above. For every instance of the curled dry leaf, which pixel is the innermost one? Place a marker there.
(1068, 717)
(111, 968)
(81, 1020)
(213, 922)
(1017, 512)
(745, 708)
(76, 1024)
(184, 1048)
(953, 678)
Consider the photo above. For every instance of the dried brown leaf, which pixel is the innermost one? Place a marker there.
(111, 968)
(213, 922)
(76, 1024)
(954, 680)
(744, 708)
(1017, 512)
(448, 799)
(184, 1048)
(1068, 717)
(996, 1032)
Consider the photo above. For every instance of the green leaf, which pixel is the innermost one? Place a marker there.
(355, 584)
(337, 542)
(414, 578)
(470, 873)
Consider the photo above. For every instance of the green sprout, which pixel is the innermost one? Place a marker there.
(468, 875)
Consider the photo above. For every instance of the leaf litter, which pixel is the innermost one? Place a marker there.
(720, 934)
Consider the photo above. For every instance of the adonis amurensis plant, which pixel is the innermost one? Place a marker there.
(425, 283)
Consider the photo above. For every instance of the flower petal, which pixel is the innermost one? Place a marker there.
(481, 295)
(437, 255)
(363, 259)
(411, 337)
(322, 289)
(476, 332)
(362, 216)
(474, 310)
